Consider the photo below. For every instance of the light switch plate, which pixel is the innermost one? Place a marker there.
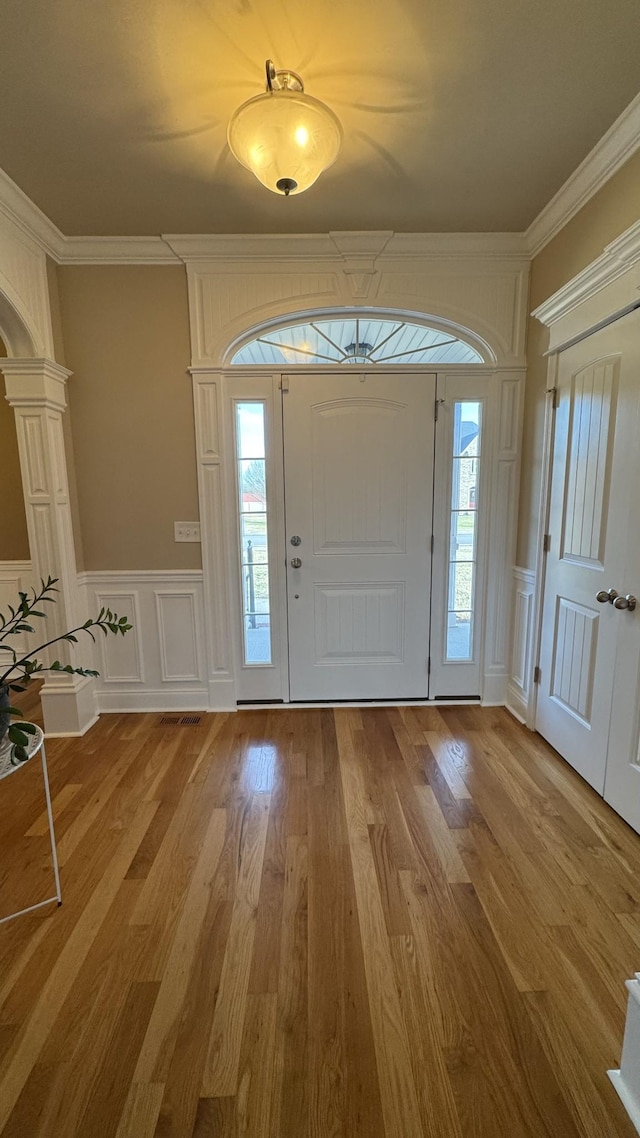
(187, 531)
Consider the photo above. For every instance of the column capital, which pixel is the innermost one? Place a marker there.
(35, 382)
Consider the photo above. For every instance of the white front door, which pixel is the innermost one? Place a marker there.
(590, 649)
(358, 453)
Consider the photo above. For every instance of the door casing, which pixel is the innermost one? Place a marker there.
(501, 388)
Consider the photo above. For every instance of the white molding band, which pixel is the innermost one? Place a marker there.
(116, 251)
(22, 212)
(615, 148)
(606, 288)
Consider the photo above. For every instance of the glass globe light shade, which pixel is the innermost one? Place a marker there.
(286, 138)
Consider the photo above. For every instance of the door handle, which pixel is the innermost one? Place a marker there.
(629, 602)
(607, 595)
(296, 562)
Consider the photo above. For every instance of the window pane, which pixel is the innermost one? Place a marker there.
(253, 486)
(463, 535)
(254, 527)
(459, 636)
(464, 483)
(254, 549)
(250, 430)
(466, 431)
(257, 639)
(461, 585)
(356, 339)
(465, 468)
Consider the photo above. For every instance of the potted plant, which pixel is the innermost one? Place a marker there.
(18, 668)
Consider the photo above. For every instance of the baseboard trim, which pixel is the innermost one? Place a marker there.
(72, 734)
(629, 1102)
(188, 699)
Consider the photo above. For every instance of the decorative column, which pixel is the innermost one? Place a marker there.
(36, 390)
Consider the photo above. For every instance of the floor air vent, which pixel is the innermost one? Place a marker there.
(179, 720)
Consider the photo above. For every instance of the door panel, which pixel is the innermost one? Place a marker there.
(358, 485)
(595, 463)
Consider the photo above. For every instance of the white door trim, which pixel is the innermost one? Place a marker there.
(215, 469)
(605, 290)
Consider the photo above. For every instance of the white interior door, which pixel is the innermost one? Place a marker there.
(358, 492)
(622, 777)
(594, 478)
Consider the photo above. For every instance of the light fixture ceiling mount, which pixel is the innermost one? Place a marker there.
(285, 137)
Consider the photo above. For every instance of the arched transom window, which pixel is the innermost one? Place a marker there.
(357, 340)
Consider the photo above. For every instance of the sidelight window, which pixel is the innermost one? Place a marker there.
(254, 531)
(463, 532)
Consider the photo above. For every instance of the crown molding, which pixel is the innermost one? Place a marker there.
(25, 214)
(606, 289)
(116, 251)
(615, 147)
(351, 247)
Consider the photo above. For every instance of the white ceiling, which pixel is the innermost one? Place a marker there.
(458, 115)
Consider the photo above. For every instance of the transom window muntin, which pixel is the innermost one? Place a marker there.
(358, 339)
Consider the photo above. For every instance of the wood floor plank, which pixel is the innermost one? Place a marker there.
(154, 1057)
(313, 923)
(220, 1078)
(141, 1110)
(397, 1087)
(49, 1002)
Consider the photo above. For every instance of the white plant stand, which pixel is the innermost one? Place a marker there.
(35, 746)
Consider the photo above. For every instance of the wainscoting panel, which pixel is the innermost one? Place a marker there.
(159, 665)
(15, 577)
(520, 682)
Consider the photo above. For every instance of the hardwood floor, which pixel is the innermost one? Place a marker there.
(385, 923)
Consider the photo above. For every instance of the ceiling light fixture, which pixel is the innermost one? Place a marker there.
(286, 138)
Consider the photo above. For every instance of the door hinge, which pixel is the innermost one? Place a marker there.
(537, 674)
(435, 409)
(284, 384)
(429, 666)
(433, 542)
(546, 543)
(554, 393)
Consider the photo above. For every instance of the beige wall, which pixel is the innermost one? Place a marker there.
(14, 542)
(609, 213)
(126, 340)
